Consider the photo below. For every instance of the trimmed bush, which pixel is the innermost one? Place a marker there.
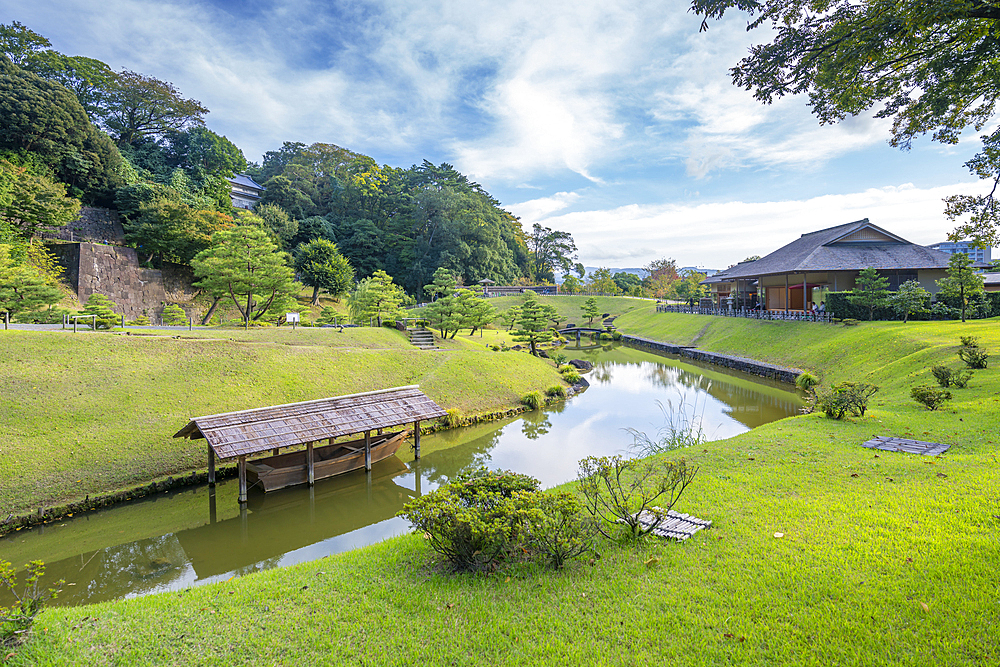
(970, 352)
(478, 520)
(930, 397)
(141, 321)
(533, 400)
(557, 527)
(174, 316)
(572, 377)
(102, 307)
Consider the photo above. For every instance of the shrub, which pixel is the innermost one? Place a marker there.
(556, 391)
(616, 335)
(558, 528)
(850, 322)
(970, 353)
(17, 618)
(565, 368)
(452, 419)
(947, 377)
(572, 377)
(533, 400)
(141, 321)
(617, 490)
(174, 316)
(846, 398)
(931, 397)
(558, 358)
(477, 520)
(102, 307)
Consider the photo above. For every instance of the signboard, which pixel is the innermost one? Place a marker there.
(291, 318)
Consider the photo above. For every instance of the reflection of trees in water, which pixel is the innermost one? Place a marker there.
(131, 568)
(535, 424)
(602, 373)
(440, 466)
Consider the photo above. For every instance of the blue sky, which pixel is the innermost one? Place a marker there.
(616, 122)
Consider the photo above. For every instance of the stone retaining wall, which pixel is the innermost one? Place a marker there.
(763, 369)
(93, 225)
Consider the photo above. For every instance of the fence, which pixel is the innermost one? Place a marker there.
(749, 313)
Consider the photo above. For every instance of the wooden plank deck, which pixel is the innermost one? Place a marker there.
(906, 445)
(674, 525)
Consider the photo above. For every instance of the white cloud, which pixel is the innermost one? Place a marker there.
(716, 235)
(536, 209)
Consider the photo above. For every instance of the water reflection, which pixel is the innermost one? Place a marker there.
(200, 535)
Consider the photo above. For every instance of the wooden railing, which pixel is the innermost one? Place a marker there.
(750, 313)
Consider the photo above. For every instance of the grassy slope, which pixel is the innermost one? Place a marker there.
(93, 412)
(868, 540)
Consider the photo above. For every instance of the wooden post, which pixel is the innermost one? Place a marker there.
(244, 532)
(416, 479)
(309, 463)
(74, 325)
(243, 478)
(211, 466)
(416, 440)
(805, 302)
(786, 294)
(274, 452)
(368, 451)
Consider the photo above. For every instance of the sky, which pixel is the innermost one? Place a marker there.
(616, 122)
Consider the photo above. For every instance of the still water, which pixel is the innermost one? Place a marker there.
(200, 535)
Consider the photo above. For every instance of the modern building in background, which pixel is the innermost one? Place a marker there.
(975, 253)
(244, 191)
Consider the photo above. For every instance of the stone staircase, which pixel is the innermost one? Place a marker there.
(422, 338)
(609, 323)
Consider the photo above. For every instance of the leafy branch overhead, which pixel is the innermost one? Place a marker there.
(928, 65)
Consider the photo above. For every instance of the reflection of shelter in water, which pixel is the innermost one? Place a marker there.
(275, 524)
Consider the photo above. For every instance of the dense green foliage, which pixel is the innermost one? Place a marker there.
(33, 203)
(962, 284)
(321, 266)
(930, 397)
(846, 398)
(23, 288)
(533, 322)
(45, 119)
(477, 520)
(376, 297)
(871, 291)
(245, 265)
(910, 298)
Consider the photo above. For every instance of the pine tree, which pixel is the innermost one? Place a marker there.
(533, 322)
(870, 291)
(590, 309)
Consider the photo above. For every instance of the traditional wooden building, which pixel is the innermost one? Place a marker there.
(796, 276)
(244, 191)
(260, 431)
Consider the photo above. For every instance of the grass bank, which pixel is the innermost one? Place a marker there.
(94, 412)
(882, 559)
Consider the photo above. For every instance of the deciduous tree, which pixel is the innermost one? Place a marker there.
(135, 106)
(910, 298)
(548, 250)
(23, 288)
(321, 266)
(601, 281)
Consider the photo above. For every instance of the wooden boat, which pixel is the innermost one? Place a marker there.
(277, 472)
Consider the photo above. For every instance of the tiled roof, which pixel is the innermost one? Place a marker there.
(261, 429)
(245, 181)
(850, 247)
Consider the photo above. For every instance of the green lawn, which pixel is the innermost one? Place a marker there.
(884, 559)
(95, 412)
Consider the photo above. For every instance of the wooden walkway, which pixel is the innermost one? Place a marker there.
(675, 525)
(906, 445)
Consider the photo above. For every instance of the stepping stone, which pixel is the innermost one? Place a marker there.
(906, 445)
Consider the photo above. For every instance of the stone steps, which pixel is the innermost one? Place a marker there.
(421, 338)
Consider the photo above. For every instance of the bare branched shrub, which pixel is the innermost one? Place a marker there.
(617, 490)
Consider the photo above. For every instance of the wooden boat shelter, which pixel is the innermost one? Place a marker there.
(250, 432)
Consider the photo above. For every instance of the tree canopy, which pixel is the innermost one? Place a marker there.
(244, 264)
(929, 65)
(321, 266)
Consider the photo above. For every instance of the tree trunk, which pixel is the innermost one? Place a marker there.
(315, 300)
(211, 311)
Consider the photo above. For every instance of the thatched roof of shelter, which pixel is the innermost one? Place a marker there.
(261, 429)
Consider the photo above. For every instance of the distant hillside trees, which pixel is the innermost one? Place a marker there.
(44, 118)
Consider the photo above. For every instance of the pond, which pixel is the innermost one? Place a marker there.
(199, 535)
